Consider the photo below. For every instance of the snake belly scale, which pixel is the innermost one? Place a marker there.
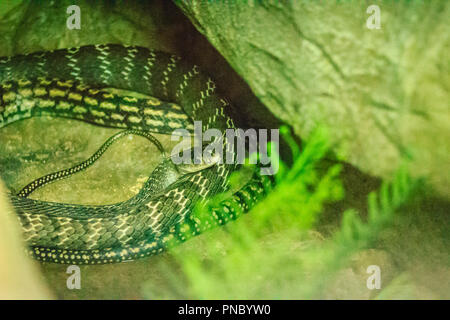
(70, 83)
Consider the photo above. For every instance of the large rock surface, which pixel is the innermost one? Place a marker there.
(383, 93)
(19, 276)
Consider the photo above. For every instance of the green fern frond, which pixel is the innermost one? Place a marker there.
(253, 257)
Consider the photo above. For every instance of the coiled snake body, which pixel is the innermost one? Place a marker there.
(68, 83)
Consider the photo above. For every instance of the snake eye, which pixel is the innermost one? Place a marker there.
(212, 159)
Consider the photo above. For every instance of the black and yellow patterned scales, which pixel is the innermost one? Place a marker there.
(76, 83)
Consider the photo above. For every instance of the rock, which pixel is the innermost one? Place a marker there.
(351, 282)
(19, 275)
(383, 93)
(404, 288)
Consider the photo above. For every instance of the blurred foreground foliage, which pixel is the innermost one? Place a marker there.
(273, 253)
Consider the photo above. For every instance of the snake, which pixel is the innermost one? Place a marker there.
(78, 83)
(65, 173)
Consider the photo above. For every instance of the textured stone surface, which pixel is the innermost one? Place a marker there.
(383, 93)
(19, 275)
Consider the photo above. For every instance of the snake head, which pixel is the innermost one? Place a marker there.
(205, 162)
